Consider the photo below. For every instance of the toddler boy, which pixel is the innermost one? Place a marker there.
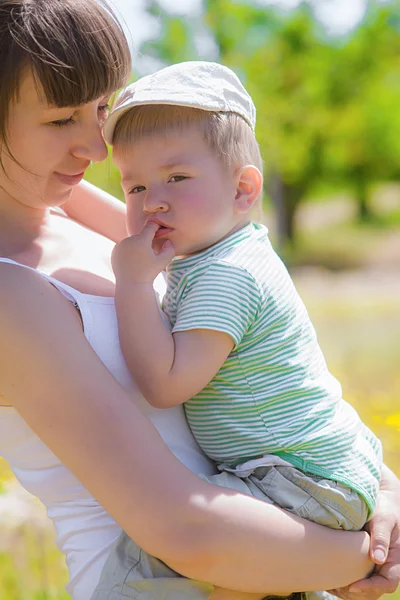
(242, 355)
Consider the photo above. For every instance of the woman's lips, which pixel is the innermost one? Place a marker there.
(70, 180)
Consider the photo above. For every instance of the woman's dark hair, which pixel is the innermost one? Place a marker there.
(75, 49)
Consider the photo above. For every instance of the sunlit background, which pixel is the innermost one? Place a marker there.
(325, 76)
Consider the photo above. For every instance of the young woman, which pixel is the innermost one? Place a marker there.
(70, 411)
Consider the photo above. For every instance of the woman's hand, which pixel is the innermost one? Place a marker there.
(384, 529)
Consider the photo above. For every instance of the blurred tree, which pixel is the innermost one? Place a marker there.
(283, 61)
(176, 42)
(327, 108)
(364, 100)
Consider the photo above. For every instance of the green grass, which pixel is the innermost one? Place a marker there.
(31, 568)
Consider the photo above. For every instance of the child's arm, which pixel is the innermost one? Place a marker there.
(97, 210)
(169, 368)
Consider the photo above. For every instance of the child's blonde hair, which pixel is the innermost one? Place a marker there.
(227, 134)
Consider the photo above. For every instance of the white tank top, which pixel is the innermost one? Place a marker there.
(85, 532)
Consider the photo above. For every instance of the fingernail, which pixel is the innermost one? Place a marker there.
(355, 590)
(380, 555)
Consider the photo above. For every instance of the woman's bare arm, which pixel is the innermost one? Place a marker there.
(221, 594)
(51, 375)
(98, 210)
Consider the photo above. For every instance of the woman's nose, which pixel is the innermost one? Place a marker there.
(91, 144)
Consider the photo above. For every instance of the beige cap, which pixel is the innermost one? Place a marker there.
(204, 85)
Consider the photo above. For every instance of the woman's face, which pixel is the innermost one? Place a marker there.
(52, 147)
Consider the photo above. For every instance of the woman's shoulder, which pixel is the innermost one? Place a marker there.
(36, 323)
(16, 278)
(28, 302)
(14, 275)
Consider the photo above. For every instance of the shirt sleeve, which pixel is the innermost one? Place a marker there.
(224, 298)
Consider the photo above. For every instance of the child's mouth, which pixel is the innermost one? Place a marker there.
(162, 231)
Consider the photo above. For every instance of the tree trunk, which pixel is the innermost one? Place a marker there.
(285, 198)
(362, 194)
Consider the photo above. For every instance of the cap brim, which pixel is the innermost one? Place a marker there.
(111, 122)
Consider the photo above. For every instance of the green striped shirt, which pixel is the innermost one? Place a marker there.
(274, 393)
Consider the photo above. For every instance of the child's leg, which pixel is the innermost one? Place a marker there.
(320, 500)
(314, 498)
(130, 573)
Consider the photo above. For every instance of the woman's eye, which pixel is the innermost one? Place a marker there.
(104, 107)
(137, 189)
(176, 178)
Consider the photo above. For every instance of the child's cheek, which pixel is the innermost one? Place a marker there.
(135, 218)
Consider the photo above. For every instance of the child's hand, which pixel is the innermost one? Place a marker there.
(134, 259)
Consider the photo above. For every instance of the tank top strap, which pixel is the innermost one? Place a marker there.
(78, 299)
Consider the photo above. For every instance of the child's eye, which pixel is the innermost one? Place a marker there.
(137, 189)
(63, 122)
(176, 178)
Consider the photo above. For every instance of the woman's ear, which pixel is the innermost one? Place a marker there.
(249, 183)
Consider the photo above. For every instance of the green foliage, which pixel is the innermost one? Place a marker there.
(364, 100)
(106, 176)
(175, 43)
(32, 568)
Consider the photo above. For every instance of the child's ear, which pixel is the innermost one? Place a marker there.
(248, 187)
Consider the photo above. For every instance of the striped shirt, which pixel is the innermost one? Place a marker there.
(274, 393)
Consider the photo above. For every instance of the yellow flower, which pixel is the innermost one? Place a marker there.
(394, 420)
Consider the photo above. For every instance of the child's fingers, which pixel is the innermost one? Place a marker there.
(149, 231)
(166, 253)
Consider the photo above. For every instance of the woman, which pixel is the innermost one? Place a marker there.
(60, 60)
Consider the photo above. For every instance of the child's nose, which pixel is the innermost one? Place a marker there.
(154, 202)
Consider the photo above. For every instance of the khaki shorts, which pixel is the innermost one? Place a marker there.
(308, 496)
(131, 573)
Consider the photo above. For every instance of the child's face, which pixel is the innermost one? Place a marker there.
(177, 182)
